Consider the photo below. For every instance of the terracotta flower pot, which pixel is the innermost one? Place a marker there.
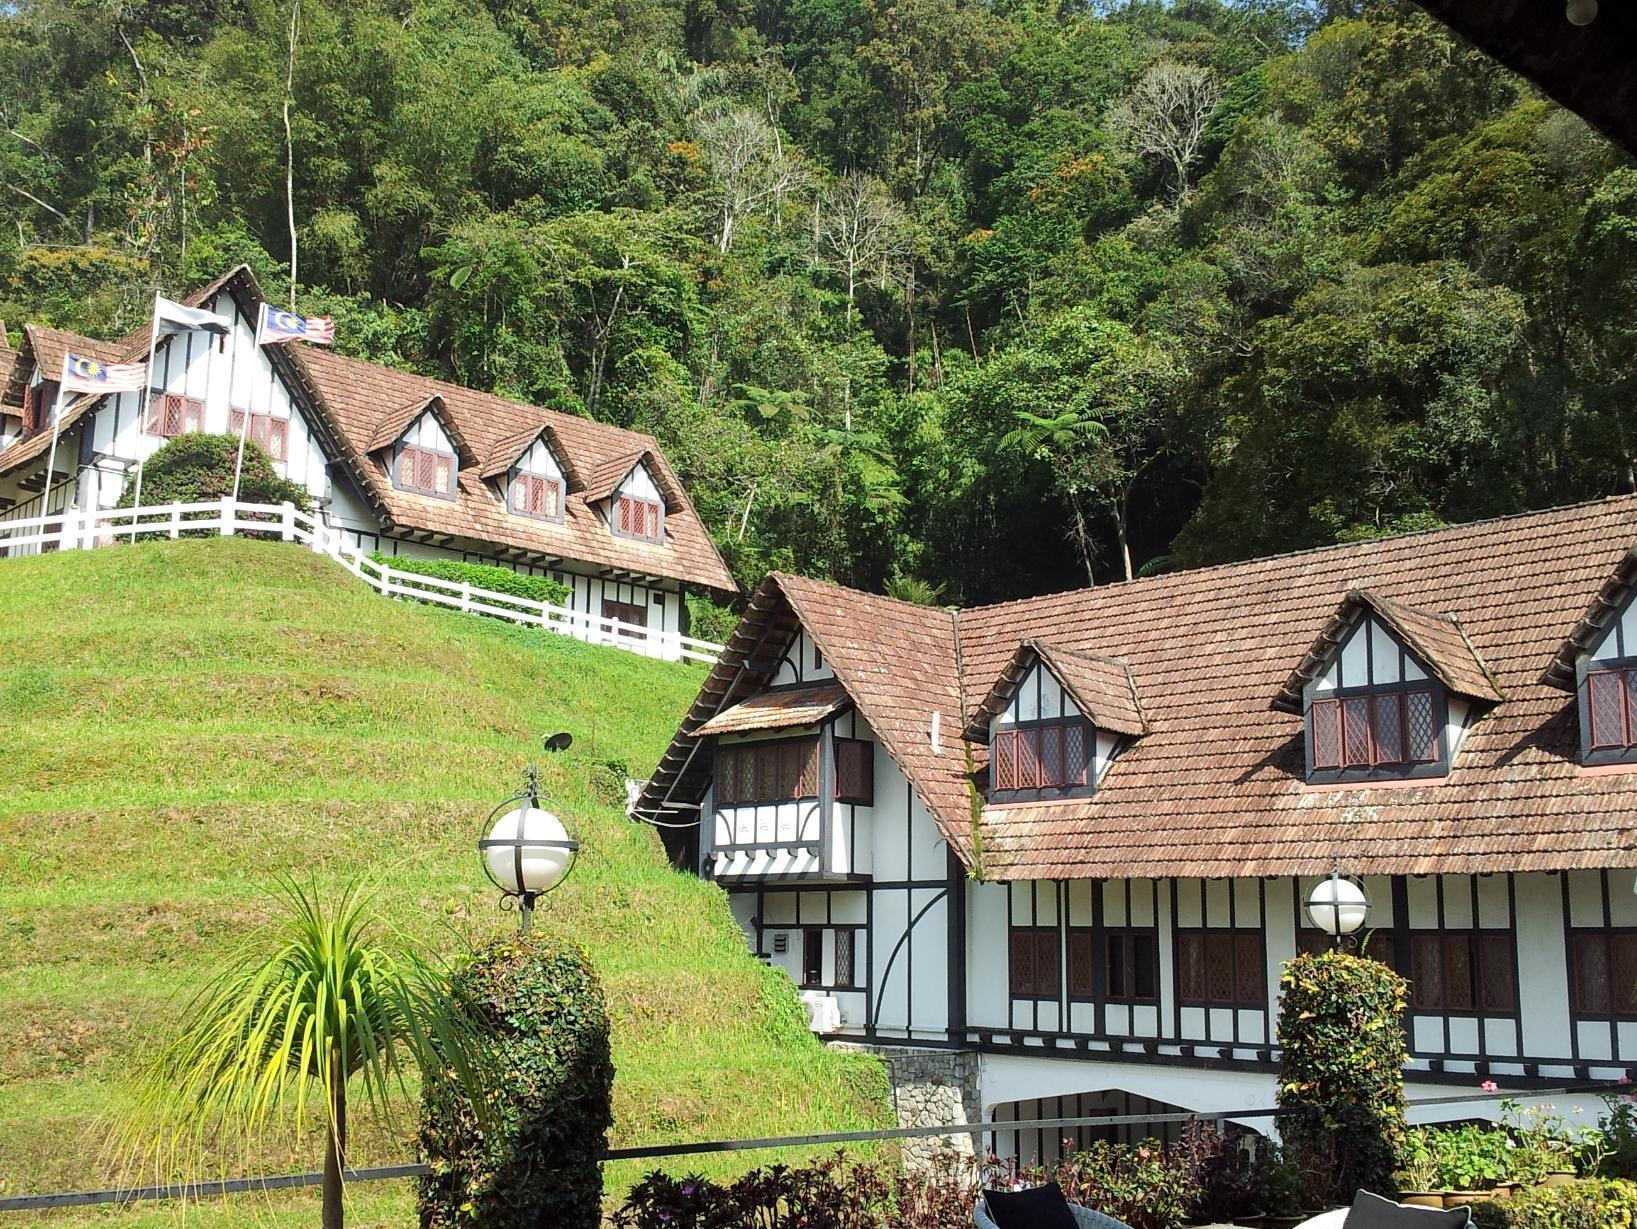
(1558, 1177)
(1466, 1199)
(1505, 1190)
(1422, 1199)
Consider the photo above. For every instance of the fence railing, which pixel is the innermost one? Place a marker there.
(76, 529)
(376, 1173)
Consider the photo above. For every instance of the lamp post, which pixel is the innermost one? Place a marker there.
(1338, 906)
(528, 850)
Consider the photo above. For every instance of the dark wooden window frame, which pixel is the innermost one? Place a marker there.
(1379, 770)
(863, 793)
(517, 505)
(653, 509)
(634, 614)
(1239, 939)
(1477, 966)
(1624, 673)
(1017, 736)
(38, 400)
(406, 484)
(1100, 964)
(1605, 936)
(764, 764)
(1034, 987)
(812, 966)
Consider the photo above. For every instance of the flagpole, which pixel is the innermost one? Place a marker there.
(142, 414)
(51, 461)
(238, 465)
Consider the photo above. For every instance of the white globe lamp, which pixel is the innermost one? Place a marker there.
(526, 849)
(1338, 906)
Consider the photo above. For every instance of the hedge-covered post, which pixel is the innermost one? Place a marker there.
(534, 1159)
(1341, 1079)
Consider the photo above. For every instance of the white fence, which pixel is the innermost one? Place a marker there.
(77, 530)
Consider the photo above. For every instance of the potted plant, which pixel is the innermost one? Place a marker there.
(1280, 1182)
(1418, 1180)
(1541, 1130)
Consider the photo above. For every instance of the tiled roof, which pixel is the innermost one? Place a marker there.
(1101, 687)
(779, 710)
(1215, 786)
(44, 348)
(1591, 625)
(352, 393)
(602, 481)
(365, 407)
(1437, 640)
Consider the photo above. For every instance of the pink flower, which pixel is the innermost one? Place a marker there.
(1490, 1086)
(1624, 1079)
(1143, 1154)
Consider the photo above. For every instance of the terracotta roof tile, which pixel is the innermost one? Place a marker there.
(1101, 687)
(779, 710)
(1215, 786)
(1591, 625)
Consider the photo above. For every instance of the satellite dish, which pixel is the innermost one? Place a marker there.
(561, 741)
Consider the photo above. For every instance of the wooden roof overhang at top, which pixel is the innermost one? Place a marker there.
(1587, 69)
(1102, 688)
(1610, 598)
(787, 708)
(1438, 640)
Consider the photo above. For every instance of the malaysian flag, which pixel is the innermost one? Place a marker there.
(87, 375)
(275, 327)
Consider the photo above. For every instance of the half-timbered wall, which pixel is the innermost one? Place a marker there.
(1039, 698)
(1619, 639)
(801, 663)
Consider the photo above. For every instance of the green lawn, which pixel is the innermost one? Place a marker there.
(187, 720)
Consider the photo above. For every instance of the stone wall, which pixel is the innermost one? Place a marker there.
(931, 1088)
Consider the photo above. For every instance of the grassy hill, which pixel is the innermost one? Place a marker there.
(186, 720)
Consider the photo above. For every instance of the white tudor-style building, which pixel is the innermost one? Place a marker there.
(1070, 837)
(397, 462)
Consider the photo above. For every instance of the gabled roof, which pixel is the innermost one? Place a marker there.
(509, 450)
(352, 392)
(392, 425)
(778, 710)
(1611, 596)
(1216, 787)
(602, 481)
(1437, 641)
(1101, 687)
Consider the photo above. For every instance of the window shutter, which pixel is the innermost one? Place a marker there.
(1081, 972)
(654, 511)
(1387, 729)
(724, 777)
(844, 957)
(1458, 972)
(1046, 963)
(1191, 967)
(1028, 759)
(235, 421)
(1426, 969)
(1355, 732)
(1219, 959)
(1591, 974)
(1623, 968)
(1020, 962)
(1051, 756)
(1249, 974)
(444, 472)
(1076, 754)
(1003, 767)
(1497, 990)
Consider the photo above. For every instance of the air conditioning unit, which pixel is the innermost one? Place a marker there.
(823, 1012)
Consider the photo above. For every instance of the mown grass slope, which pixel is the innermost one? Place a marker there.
(187, 720)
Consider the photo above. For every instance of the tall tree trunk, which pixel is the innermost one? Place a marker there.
(336, 1145)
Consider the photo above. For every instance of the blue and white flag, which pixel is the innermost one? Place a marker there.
(88, 375)
(275, 326)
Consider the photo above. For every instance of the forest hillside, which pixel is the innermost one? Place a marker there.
(969, 300)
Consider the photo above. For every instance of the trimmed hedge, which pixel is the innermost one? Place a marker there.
(481, 576)
(1341, 1079)
(535, 1159)
(1595, 1203)
(196, 468)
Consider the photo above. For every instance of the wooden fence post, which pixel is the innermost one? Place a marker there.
(227, 516)
(288, 521)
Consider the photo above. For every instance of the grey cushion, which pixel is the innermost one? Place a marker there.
(1084, 1218)
(1373, 1212)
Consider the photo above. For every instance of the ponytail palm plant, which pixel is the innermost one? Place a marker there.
(313, 1002)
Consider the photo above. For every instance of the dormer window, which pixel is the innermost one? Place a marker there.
(425, 471)
(1386, 691)
(635, 517)
(1371, 730)
(1054, 721)
(1611, 703)
(537, 496)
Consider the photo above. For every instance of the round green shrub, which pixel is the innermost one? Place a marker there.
(534, 1157)
(1341, 1080)
(197, 468)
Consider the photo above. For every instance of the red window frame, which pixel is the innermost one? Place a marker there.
(426, 471)
(170, 415)
(268, 430)
(37, 402)
(537, 495)
(778, 770)
(1374, 730)
(1054, 755)
(1463, 972)
(1033, 965)
(1219, 967)
(1611, 706)
(639, 518)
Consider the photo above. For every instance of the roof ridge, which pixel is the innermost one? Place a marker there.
(1481, 523)
(879, 597)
